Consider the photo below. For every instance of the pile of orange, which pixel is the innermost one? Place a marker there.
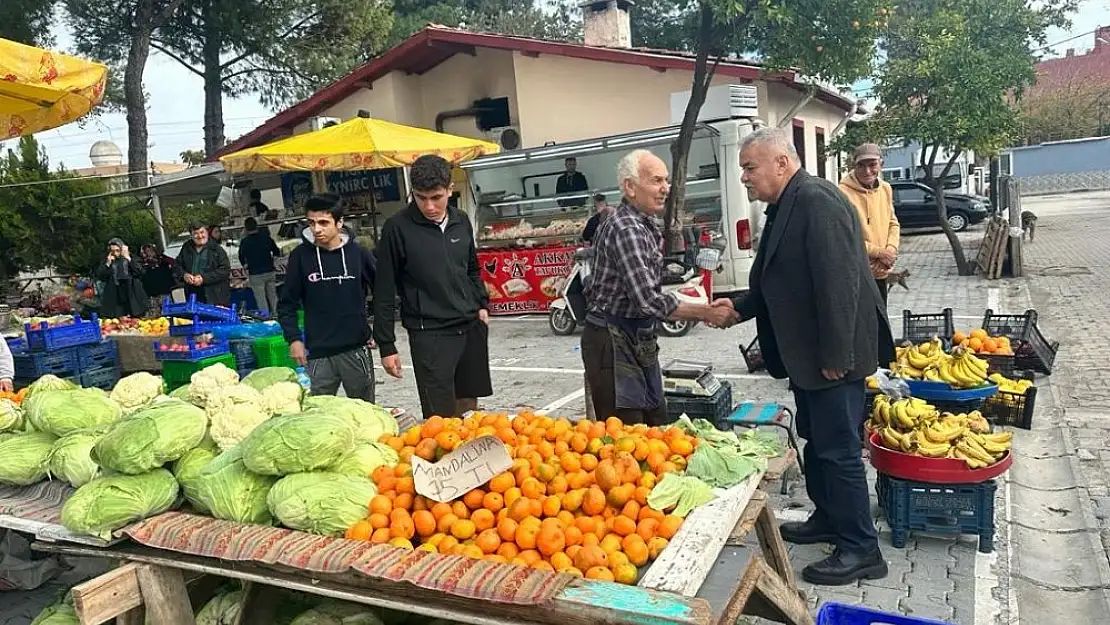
(574, 501)
(980, 342)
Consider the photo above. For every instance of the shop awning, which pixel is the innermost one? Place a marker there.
(356, 144)
(41, 89)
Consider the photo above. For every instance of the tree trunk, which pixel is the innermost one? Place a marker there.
(962, 266)
(213, 86)
(134, 97)
(680, 148)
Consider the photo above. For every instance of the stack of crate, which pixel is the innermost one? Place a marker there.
(178, 367)
(75, 352)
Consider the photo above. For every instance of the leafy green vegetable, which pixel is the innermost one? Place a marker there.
(25, 458)
(188, 468)
(47, 383)
(722, 466)
(364, 458)
(151, 437)
(266, 377)
(64, 412)
(231, 492)
(223, 609)
(11, 416)
(58, 614)
(753, 442)
(370, 421)
(297, 443)
(70, 457)
(109, 503)
(338, 613)
(321, 503)
(684, 492)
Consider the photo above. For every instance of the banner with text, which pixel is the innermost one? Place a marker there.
(524, 281)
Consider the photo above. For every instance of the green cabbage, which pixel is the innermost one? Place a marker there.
(181, 392)
(266, 377)
(109, 503)
(223, 609)
(283, 398)
(231, 492)
(234, 412)
(151, 437)
(136, 390)
(58, 614)
(70, 458)
(297, 443)
(338, 613)
(208, 380)
(321, 503)
(47, 383)
(25, 458)
(63, 412)
(683, 492)
(370, 421)
(11, 416)
(364, 458)
(188, 467)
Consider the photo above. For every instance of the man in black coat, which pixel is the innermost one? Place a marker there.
(820, 323)
(203, 265)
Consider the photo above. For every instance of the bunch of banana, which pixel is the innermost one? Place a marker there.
(912, 426)
(1018, 387)
(915, 361)
(903, 414)
(963, 369)
(880, 412)
(893, 439)
(982, 450)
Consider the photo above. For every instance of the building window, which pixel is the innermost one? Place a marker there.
(896, 173)
(822, 158)
(1006, 164)
(800, 141)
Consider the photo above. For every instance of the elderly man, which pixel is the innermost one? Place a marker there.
(874, 200)
(817, 313)
(619, 344)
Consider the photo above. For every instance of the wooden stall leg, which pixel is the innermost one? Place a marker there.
(165, 596)
(764, 594)
(774, 549)
(136, 616)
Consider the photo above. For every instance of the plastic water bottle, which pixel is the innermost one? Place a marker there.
(303, 378)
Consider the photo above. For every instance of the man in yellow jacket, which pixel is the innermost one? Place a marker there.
(874, 200)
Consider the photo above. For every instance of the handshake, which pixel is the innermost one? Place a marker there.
(721, 314)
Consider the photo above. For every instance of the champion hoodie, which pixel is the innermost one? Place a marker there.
(332, 287)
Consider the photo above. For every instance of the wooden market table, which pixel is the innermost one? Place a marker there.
(709, 574)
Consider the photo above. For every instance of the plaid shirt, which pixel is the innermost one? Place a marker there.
(627, 268)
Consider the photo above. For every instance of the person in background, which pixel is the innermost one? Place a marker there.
(601, 210)
(571, 181)
(620, 347)
(818, 317)
(874, 201)
(158, 280)
(257, 252)
(329, 276)
(7, 367)
(215, 234)
(427, 256)
(121, 275)
(203, 265)
(257, 205)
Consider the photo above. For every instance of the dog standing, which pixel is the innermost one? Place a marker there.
(1028, 225)
(897, 278)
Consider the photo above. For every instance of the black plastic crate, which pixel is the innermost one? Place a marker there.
(753, 356)
(945, 508)
(1005, 364)
(1014, 327)
(34, 365)
(1011, 409)
(714, 409)
(103, 354)
(921, 328)
(103, 378)
(1036, 353)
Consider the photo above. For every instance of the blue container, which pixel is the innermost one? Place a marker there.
(193, 353)
(193, 308)
(197, 327)
(102, 378)
(48, 339)
(104, 354)
(942, 391)
(16, 344)
(33, 365)
(833, 613)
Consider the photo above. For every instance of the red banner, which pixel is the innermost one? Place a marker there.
(524, 281)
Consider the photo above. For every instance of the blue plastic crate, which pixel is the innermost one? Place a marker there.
(33, 365)
(197, 327)
(194, 353)
(832, 613)
(944, 508)
(48, 339)
(103, 378)
(243, 350)
(104, 354)
(16, 344)
(192, 308)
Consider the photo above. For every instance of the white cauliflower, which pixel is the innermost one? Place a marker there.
(283, 398)
(136, 390)
(233, 412)
(208, 380)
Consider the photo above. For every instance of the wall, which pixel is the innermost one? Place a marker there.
(1063, 166)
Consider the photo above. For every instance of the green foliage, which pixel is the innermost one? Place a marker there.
(557, 20)
(1078, 109)
(27, 21)
(193, 158)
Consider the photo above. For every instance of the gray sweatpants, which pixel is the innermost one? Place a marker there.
(353, 369)
(264, 287)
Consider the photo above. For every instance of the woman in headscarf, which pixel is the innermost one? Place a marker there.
(121, 275)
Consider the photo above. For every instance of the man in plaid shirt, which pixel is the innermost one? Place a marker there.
(620, 348)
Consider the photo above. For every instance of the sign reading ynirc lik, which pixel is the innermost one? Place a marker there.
(461, 471)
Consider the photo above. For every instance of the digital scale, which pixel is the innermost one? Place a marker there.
(682, 377)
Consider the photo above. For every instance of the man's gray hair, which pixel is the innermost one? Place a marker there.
(629, 166)
(774, 138)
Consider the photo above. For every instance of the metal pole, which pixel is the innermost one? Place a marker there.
(156, 204)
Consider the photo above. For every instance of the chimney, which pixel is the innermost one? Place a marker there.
(605, 23)
(1102, 39)
(1070, 53)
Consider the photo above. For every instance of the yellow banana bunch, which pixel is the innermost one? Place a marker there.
(914, 426)
(1007, 385)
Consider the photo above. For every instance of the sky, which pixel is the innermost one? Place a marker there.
(176, 103)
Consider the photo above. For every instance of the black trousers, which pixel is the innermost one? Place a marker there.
(882, 291)
(836, 480)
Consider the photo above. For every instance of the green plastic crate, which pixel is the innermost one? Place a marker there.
(273, 351)
(177, 373)
(300, 319)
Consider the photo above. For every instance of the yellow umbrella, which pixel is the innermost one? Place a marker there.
(356, 144)
(40, 89)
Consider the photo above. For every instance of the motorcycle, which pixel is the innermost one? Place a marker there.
(568, 312)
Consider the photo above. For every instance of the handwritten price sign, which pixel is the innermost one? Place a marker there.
(462, 470)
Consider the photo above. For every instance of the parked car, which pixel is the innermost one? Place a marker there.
(916, 207)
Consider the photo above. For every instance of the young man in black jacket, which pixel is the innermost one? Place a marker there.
(257, 252)
(330, 275)
(427, 256)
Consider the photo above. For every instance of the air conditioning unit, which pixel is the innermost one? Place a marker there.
(508, 137)
(721, 102)
(319, 123)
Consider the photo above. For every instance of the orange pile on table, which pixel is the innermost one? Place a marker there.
(979, 341)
